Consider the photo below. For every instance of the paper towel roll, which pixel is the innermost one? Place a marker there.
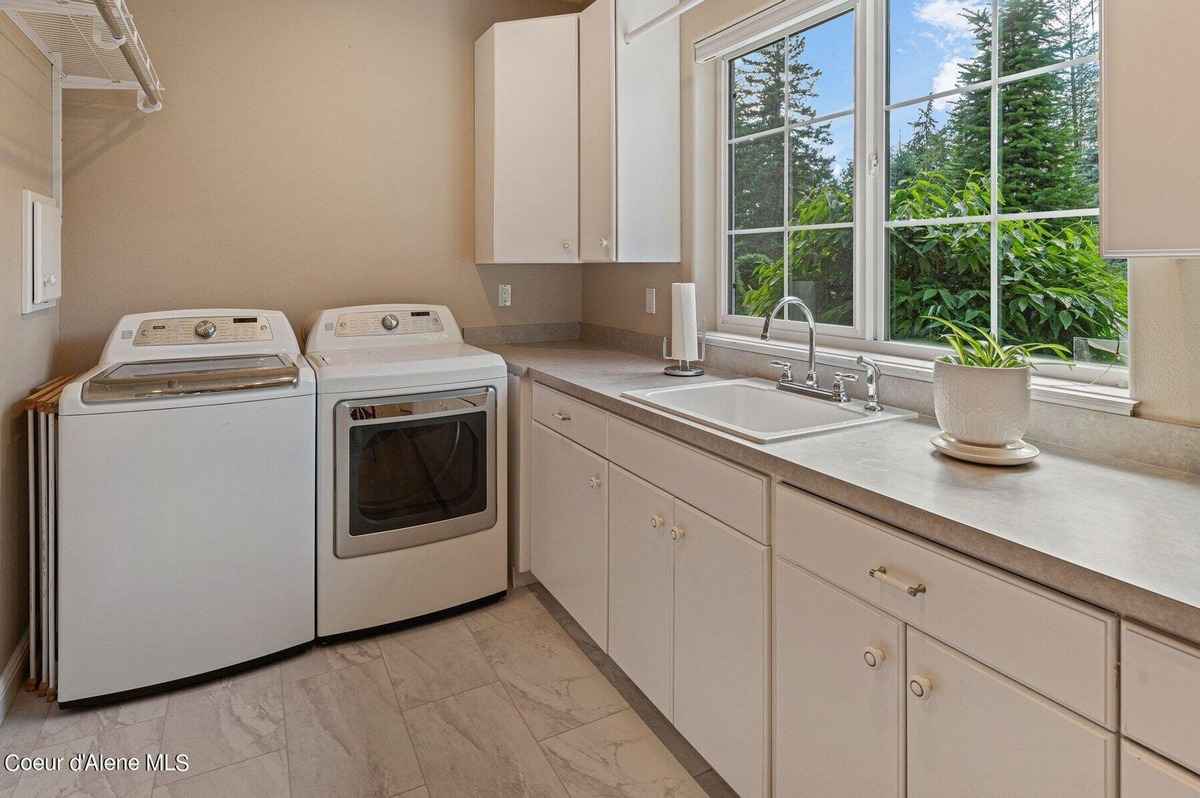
(684, 345)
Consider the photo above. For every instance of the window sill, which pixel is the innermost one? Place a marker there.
(1100, 398)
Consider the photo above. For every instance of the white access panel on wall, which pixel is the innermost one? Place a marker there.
(41, 252)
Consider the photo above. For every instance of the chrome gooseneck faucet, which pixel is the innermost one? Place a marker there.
(811, 386)
(811, 379)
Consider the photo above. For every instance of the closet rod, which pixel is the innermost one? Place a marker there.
(133, 56)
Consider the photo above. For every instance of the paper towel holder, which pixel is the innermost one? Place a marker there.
(684, 368)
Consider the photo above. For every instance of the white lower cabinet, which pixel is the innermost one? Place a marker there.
(721, 625)
(641, 574)
(839, 692)
(974, 732)
(569, 528)
(688, 624)
(1146, 775)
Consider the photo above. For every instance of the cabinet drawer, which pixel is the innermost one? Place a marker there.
(1060, 647)
(1160, 693)
(579, 421)
(1145, 775)
(724, 491)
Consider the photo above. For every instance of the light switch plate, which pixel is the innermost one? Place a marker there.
(651, 301)
(41, 252)
(505, 295)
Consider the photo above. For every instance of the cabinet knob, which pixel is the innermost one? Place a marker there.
(656, 521)
(593, 482)
(604, 243)
(873, 656)
(920, 686)
(677, 533)
(561, 416)
(566, 244)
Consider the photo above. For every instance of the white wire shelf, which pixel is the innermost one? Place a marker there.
(97, 42)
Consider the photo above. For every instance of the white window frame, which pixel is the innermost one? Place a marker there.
(869, 331)
(731, 322)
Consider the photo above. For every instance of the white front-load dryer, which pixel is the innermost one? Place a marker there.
(185, 502)
(411, 466)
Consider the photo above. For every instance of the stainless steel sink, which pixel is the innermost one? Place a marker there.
(757, 411)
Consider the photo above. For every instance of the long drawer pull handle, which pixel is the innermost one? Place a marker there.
(881, 573)
(561, 416)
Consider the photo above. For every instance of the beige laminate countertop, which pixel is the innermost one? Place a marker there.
(1123, 536)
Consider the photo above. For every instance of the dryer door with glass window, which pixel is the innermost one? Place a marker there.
(412, 470)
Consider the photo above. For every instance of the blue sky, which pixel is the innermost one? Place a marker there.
(928, 39)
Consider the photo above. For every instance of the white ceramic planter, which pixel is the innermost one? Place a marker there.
(981, 406)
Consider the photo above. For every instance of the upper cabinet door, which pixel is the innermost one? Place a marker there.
(629, 134)
(1150, 177)
(597, 132)
(721, 613)
(839, 692)
(527, 141)
(974, 732)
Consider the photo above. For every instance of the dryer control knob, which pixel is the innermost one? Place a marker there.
(390, 321)
(206, 329)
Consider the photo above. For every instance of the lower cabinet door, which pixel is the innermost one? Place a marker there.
(839, 692)
(974, 732)
(720, 685)
(569, 528)
(641, 598)
(1147, 775)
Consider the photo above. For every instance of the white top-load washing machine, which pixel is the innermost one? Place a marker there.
(186, 483)
(411, 466)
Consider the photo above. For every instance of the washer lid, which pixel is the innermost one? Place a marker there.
(153, 379)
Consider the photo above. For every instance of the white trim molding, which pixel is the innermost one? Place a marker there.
(767, 22)
(14, 674)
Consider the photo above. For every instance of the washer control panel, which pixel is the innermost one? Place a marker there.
(393, 322)
(202, 330)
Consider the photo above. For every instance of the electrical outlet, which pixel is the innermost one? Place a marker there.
(650, 301)
(505, 295)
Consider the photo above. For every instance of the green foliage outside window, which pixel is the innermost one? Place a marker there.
(1054, 285)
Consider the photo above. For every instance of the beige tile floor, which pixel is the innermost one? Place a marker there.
(512, 699)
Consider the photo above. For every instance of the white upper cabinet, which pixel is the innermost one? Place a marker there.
(527, 142)
(1150, 177)
(629, 134)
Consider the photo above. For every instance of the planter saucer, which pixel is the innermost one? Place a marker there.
(1017, 453)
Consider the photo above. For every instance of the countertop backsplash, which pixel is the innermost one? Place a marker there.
(1140, 440)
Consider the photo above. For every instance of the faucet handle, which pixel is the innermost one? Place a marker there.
(840, 377)
(786, 376)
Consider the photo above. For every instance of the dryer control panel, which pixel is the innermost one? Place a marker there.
(181, 331)
(387, 326)
(396, 321)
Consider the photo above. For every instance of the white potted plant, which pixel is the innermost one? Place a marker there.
(981, 391)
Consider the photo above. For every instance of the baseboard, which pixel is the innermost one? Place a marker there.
(14, 674)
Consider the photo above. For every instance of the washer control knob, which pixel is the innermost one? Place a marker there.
(390, 321)
(205, 329)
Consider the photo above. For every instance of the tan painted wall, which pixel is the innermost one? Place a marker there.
(311, 154)
(26, 342)
(1164, 294)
